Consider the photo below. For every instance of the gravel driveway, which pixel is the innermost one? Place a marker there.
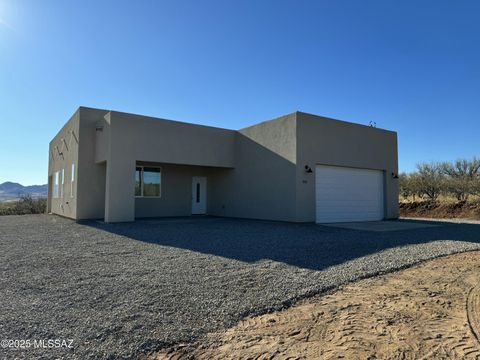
(119, 290)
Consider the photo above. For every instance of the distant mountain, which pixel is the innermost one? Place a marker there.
(11, 191)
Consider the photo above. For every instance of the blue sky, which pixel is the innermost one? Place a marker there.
(410, 66)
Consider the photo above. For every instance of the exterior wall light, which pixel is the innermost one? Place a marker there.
(308, 169)
(394, 176)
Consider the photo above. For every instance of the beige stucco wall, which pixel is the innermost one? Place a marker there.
(262, 183)
(256, 172)
(91, 175)
(151, 139)
(88, 200)
(66, 141)
(134, 138)
(331, 142)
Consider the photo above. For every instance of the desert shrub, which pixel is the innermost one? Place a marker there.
(430, 180)
(459, 179)
(403, 185)
(476, 186)
(462, 178)
(26, 205)
(409, 185)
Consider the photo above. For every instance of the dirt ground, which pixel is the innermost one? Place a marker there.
(429, 311)
(443, 209)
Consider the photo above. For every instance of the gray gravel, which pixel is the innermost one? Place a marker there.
(119, 290)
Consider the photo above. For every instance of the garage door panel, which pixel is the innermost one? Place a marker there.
(348, 194)
(351, 204)
(351, 198)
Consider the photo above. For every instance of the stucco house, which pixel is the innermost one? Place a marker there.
(298, 167)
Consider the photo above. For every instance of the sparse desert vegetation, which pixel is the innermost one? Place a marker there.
(442, 190)
(24, 206)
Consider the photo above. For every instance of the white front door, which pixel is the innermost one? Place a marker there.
(199, 195)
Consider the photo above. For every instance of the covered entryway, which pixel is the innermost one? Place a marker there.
(344, 194)
(171, 190)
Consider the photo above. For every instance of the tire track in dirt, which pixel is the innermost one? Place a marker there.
(473, 311)
(428, 311)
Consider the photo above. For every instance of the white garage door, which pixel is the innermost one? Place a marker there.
(345, 194)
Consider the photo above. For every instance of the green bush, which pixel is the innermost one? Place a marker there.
(26, 205)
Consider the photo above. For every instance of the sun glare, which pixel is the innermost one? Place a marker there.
(3, 15)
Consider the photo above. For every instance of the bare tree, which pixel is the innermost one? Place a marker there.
(409, 185)
(462, 177)
(430, 180)
(404, 185)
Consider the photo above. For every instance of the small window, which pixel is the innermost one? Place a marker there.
(62, 181)
(72, 179)
(147, 181)
(55, 184)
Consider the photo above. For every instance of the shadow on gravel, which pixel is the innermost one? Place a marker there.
(306, 246)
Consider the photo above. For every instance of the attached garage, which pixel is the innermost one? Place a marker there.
(344, 194)
(133, 166)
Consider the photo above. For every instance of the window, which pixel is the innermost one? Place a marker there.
(147, 181)
(55, 184)
(72, 179)
(151, 181)
(62, 181)
(138, 181)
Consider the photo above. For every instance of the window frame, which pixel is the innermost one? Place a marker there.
(56, 185)
(142, 167)
(62, 188)
(72, 179)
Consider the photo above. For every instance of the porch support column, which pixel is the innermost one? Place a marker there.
(120, 190)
